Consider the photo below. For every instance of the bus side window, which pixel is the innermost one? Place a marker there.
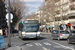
(20, 27)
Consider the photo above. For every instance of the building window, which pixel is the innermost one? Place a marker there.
(72, 7)
(72, 0)
(72, 17)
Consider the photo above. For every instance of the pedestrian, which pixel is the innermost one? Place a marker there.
(1, 32)
(6, 32)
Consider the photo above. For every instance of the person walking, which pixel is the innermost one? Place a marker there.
(1, 32)
(6, 32)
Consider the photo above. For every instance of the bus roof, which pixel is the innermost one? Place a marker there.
(21, 22)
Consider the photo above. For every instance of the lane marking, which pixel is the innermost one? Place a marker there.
(29, 45)
(46, 43)
(62, 45)
(38, 44)
(45, 48)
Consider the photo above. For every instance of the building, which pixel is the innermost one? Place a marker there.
(66, 11)
(38, 13)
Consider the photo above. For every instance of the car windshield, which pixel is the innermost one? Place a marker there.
(31, 27)
(64, 32)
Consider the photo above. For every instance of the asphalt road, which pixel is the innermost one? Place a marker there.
(43, 43)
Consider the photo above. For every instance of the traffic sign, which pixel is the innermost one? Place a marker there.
(11, 16)
(10, 21)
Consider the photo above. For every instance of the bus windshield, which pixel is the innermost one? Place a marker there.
(28, 27)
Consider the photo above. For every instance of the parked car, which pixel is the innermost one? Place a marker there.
(60, 34)
(71, 37)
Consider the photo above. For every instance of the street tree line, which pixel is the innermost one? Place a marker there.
(47, 12)
(18, 9)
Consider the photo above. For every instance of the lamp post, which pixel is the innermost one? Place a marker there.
(9, 38)
(62, 12)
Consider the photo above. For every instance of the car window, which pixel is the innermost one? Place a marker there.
(67, 32)
(64, 32)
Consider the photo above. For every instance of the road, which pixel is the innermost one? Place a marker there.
(43, 43)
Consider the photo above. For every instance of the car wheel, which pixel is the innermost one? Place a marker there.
(68, 40)
(58, 38)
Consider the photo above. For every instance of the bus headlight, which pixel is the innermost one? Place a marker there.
(23, 33)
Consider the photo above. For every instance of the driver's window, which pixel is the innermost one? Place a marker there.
(20, 27)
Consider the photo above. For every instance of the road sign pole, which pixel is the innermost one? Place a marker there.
(9, 38)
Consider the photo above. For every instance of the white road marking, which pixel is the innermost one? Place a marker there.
(45, 48)
(46, 43)
(38, 44)
(63, 45)
(29, 45)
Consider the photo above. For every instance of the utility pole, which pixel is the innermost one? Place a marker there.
(54, 21)
(40, 16)
(9, 38)
(62, 12)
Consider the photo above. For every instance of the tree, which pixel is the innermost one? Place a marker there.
(31, 16)
(3, 23)
(18, 9)
(49, 11)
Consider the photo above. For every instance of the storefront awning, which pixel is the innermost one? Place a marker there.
(49, 26)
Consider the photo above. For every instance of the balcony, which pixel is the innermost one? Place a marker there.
(58, 15)
(71, 12)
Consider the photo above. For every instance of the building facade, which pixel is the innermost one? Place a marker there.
(66, 12)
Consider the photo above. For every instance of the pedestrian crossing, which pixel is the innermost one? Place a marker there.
(38, 44)
(45, 45)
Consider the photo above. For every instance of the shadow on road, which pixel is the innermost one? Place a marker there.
(25, 44)
(61, 39)
(42, 38)
(73, 43)
(32, 39)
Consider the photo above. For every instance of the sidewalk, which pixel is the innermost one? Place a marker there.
(17, 48)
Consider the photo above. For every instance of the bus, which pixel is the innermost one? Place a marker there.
(29, 29)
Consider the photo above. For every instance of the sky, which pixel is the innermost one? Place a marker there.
(33, 4)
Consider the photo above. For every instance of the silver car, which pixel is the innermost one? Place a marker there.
(60, 34)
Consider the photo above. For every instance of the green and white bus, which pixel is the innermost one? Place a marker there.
(29, 29)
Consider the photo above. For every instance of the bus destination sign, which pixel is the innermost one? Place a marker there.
(31, 21)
